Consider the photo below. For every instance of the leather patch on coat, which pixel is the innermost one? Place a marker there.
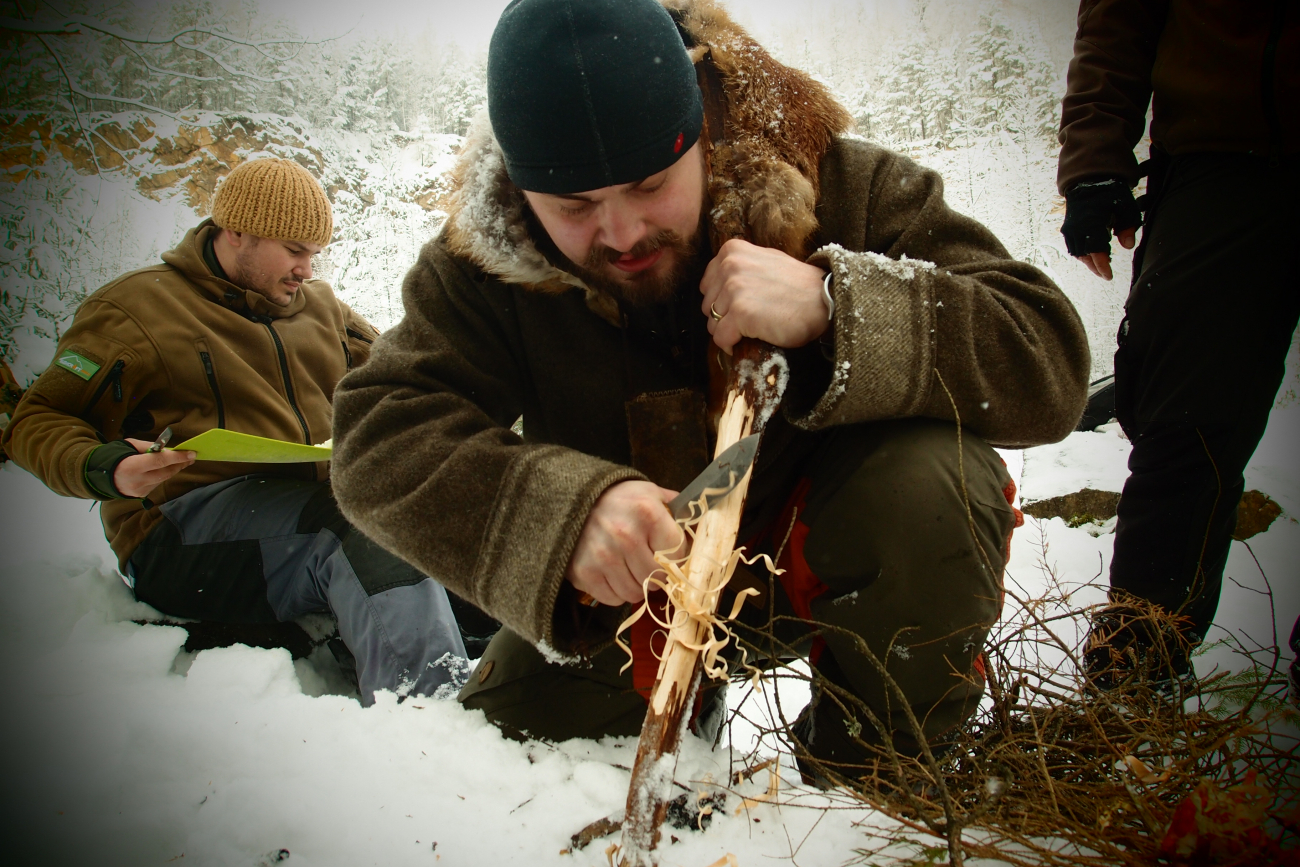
(667, 432)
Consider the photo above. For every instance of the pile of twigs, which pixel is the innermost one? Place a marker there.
(1053, 771)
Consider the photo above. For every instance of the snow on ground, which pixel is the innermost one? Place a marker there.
(122, 750)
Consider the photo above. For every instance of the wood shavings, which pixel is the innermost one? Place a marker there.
(695, 602)
(1143, 771)
(773, 787)
(749, 773)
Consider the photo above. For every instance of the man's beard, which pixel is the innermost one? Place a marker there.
(645, 289)
(249, 276)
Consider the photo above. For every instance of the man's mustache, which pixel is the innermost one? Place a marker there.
(600, 254)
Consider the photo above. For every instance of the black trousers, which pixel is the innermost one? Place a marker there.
(1202, 351)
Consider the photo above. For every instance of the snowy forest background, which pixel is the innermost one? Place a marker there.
(171, 96)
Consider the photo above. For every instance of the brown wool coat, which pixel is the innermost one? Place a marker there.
(426, 463)
(159, 322)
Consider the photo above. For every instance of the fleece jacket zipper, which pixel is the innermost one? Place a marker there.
(284, 372)
(216, 389)
(113, 378)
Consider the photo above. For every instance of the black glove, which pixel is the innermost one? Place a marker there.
(1092, 210)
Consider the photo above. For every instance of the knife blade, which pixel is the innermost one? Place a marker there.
(717, 479)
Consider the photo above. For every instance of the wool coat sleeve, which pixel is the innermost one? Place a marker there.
(425, 462)
(932, 316)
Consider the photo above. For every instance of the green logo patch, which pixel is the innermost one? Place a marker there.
(78, 364)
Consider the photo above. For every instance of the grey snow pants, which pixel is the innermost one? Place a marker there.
(260, 550)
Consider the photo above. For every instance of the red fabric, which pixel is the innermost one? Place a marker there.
(798, 580)
(1216, 826)
(1009, 492)
(647, 638)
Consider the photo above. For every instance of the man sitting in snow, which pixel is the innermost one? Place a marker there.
(651, 187)
(230, 331)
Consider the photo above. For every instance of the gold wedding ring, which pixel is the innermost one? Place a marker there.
(713, 311)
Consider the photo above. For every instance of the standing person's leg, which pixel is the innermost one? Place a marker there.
(1201, 354)
(260, 550)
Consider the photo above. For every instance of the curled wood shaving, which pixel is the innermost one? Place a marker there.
(746, 774)
(1144, 773)
(687, 603)
(773, 787)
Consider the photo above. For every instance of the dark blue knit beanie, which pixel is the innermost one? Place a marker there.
(586, 94)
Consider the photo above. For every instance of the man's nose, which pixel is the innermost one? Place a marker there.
(623, 228)
(303, 269)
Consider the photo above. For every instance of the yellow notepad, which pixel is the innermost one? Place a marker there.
(228, 445)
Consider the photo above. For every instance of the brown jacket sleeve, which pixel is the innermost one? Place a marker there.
(425, 462)
(66, 414)
(1108, 89)
(926, 298)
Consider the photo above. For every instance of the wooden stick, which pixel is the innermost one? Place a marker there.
(757, 380)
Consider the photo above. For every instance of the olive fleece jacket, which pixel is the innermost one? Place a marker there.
(427, 465)
(1221, 76)
(174, 345)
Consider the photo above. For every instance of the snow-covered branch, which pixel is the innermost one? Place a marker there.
(72, 25)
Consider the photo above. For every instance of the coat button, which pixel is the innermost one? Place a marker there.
(487, 671)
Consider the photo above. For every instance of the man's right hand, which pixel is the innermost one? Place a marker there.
(615, 550)
(139, 474)
(1092, 210)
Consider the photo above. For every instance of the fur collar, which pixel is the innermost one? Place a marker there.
(776, 124)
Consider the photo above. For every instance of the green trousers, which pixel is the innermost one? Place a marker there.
(879, 549)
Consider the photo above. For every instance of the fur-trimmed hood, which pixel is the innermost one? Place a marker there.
(767, 127)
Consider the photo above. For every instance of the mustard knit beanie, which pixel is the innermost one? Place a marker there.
(274, 198)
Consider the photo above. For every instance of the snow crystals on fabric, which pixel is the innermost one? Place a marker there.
(768, 380)
(458, 670)
(902, 267)
(554, 657)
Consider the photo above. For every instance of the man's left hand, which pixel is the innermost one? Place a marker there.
(761, 292)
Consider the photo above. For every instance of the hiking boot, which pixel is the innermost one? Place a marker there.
(1129, 648)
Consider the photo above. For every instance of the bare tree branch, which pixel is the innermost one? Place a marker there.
(71, 25)
(160, 71)
(238, 73)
